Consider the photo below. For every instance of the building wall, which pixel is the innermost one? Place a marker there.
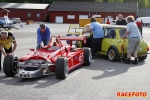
(23, 14)
(2, 12)
(90, 14)
(143, 12)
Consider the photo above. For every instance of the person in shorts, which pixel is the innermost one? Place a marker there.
(134, 39)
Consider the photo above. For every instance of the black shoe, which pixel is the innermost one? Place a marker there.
(135, 62)
(127, 61)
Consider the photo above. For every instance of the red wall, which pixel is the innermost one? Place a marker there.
(23, 14)
(2, 12)
(76, 20)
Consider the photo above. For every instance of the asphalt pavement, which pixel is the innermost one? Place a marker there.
(102, 80)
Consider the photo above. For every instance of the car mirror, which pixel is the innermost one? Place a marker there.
(32, 49)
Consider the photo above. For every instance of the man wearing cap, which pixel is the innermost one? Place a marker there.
(43, 35)
(6, 41)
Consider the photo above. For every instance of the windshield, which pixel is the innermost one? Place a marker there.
(13, 18)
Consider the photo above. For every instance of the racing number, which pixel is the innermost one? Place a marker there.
(81, 57)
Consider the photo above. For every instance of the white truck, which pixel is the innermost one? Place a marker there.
(6, 23)
(146, 20)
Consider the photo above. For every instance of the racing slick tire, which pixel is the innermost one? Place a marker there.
(142, 58)
(10, 65)
(61, 68)
(87, 56)
(113, 55)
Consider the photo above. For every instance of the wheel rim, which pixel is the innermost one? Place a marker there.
(90, 57)
(15, 66)
(66, 68)
(111, 54)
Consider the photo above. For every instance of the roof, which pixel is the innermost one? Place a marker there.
(24, 5)
(94, 6)
(4, 9)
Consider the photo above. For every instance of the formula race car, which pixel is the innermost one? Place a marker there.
(54, 58)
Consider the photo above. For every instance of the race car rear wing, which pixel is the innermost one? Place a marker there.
(73, 38)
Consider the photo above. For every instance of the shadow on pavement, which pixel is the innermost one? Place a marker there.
(41, 82)
(110, 68)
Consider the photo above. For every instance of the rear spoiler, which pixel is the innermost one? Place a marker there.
(73, 38)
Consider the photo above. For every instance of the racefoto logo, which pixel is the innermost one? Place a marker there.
(132, 94)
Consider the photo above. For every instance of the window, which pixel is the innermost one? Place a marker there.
(121, 32)
(37, 15)
(110, 33)
(29, 15)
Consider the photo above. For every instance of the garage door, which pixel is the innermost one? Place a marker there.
(83, 16)
(59, 19)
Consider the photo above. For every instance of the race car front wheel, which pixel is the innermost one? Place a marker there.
(10, 65)
(61, 68)
(87, 56)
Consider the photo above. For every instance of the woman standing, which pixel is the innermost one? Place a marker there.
(134, 39)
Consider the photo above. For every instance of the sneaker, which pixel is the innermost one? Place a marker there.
(127, 61)
(135, 62)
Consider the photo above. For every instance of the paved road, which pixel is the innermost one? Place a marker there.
(100, 81)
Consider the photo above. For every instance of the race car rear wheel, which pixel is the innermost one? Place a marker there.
(112, 55)
(142, 58)
(87, 56)
(10, 65)
(61, 68)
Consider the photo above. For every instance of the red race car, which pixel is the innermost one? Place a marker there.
(56, 58)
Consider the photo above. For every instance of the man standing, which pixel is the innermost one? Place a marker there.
(141, 27)
(43, 35)
(120, 20)
(108, 22)
(134, 39)
(98, 34)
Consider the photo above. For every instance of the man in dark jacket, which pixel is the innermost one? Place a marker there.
(121, 21)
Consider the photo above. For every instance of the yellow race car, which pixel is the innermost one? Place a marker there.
(113, 45)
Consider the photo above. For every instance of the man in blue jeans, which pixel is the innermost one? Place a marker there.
(43, 35)
(98, 35)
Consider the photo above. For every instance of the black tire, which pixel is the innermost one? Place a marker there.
(113, 55)
(142, 58)
(87, 56)
(61, 68)
(10, 65)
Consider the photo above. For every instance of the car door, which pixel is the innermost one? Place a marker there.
(110, 39)
(124, 42)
